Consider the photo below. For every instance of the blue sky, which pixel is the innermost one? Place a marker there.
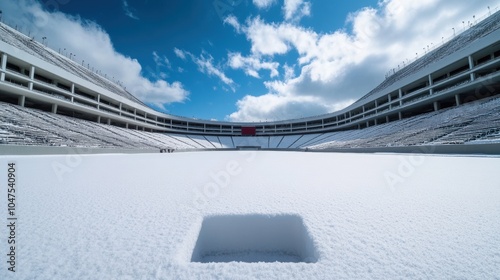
(244, 60)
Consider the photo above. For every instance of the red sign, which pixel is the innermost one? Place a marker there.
(248, 130)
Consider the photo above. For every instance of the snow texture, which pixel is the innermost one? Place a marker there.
(368, 216)
(254, 238)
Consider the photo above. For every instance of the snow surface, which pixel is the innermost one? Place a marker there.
(368, 216)
(234, 238)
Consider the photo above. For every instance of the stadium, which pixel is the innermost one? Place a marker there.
(463, 70)
(329, 196)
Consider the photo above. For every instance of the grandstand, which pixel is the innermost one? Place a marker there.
(472, 123)
(448, 96)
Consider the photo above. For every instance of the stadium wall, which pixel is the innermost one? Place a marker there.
(449, 149)
(41, 150)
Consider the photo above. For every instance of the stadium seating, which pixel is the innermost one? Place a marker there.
(476, 122)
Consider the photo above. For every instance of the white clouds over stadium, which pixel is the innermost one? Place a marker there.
(93, 46)
(331, 70)
(336, 68)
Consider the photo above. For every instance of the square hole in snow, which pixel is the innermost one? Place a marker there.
(254, 238)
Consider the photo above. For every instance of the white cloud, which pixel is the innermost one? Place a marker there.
(263, 4)
(272, 39)
(270, 107)
(205, 63)
(83, 38)
(180, 53)
(252, 65)
(289, 72)
(233, 21)
(162, 63)
(296, 9)
(339, 67)
(128, 10)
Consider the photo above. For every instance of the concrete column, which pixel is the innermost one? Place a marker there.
(400, 116)
(21, 100)
(471, 65)
(3, 66)
(386, 118)
(431, 91)
(472, 77)
(32, 77)
(135, 114)
(121, 109)
(73, 88)
(32, 73)
(471, 62)
(126, 125)
(4, 61)
(400, 93)
(98, 98)
(376, 122)
(389, 100)
(457, 99)
(54, 108)
(436, 106)
(109, 121)
(98, 119)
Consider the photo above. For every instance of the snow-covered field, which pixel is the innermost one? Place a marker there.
(322, 215)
